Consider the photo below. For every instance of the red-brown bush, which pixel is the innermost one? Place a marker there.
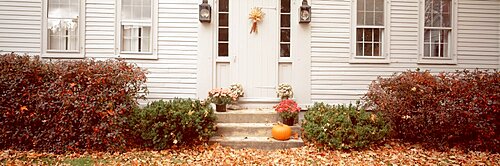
(449, 109)
(66, 105)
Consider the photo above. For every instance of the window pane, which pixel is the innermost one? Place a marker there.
(145, 41)
(379, 5)
(368, 34)
(445, 36)
(370, 5)
(444, 50)
(136, 38)
(54, 40)
(446, 5)
(427, 35)
(136, 12)
(223, 34)
(224, 5)
(376, 49)
(285, 6)
(63, 9)
(446, 18)
(435, 36)
(427, 50)
(436, 20)
(129, 38)
(360, 5)
(434, 50)
(379, 18)
(369, 18)
(223, 49)
(368, 49)
(53, 8)
(428, 13)
(136, 9)
(62, 34)
(359, 34)
(437, 13)
(285, 20)
(126, 11)
(146, 11)
(359, 49)
(377, 33)
(361, 18)
(223, 19)
(285, 50)
(73, 8)
(285, 35)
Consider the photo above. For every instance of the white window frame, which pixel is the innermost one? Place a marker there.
(452, 57)
(154, 34)
(385, 54)
(215, 22)
(79, 53)
(292, 28)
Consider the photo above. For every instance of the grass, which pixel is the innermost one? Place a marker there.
(80, 161)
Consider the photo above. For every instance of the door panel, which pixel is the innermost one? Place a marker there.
(254, 57)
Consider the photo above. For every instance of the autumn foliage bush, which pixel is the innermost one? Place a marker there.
(449, 109)
(343, 126)
(66, 105)
(162, 124)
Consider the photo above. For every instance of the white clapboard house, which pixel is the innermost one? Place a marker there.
(329, 53)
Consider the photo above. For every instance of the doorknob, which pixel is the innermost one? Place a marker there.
(265, 7)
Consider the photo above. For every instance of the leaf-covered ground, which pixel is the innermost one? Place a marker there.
(388, 154)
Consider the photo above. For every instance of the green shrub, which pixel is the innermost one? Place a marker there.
(343, 127)
(66, 105)
(445, 110)
(162, 124)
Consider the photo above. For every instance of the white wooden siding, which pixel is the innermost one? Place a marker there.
(334, 80)
(174, 73)
(20, 26)
(100, 28)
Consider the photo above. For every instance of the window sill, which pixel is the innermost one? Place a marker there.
(285, 60)
(63, 55)
(369, 60)
(437, 61)
(138, 55)
(223, 59)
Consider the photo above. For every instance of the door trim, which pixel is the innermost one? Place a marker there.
(300, 46)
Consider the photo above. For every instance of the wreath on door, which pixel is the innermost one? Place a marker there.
(256, 15)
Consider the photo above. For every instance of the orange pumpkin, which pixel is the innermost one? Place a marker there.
(281, 132)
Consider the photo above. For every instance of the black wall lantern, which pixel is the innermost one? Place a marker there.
(205, 12)
(305, 12)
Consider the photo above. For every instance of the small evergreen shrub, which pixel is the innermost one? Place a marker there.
(66, 105)
(162, 124)
(343, 127)
(449, 109)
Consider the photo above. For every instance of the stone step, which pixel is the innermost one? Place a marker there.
(266, 143)
(249, 129)
(248, 116)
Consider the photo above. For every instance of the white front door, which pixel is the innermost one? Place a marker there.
(252, 57)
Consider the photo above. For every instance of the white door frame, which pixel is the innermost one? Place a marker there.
(300, 51)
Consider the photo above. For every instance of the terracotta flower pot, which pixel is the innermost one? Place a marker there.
(220, 107)
(288, 121)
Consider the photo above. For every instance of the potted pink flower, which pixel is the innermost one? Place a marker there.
(288, 111)
(221, 97)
